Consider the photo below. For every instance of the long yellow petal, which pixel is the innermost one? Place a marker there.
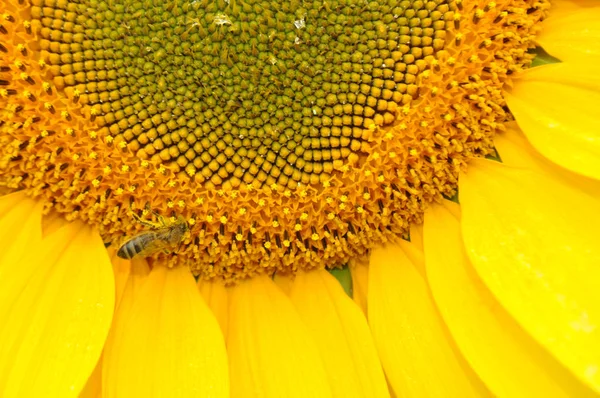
(93, 386)
(414, 248)
(54, 321)
(515, 150)
(137, 275)
(418, 355)
(359, 269)
(52, 222)
(20, 228)
(169, 344)
(216, 295)
(271, 352)
(121, 270)
(342, 335)
(508, 360)
(566, 6)
(572, 35)
(556, 106)
(534, 242)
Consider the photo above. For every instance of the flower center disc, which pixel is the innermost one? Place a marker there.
(243, 91)
(286, 134)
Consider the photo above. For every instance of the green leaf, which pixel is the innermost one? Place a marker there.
(543, 58)
(344, 277)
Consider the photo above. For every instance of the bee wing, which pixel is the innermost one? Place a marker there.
(152, 243)
(141, 245)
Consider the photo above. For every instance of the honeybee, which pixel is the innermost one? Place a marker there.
(163, 236)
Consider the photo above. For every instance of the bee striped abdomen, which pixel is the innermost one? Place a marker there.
(135, 246)
(129, 249)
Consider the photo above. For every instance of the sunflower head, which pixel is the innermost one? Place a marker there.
(288, 136)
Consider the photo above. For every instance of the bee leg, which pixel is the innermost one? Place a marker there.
(139, 219)
(161, 219)
(145, 222)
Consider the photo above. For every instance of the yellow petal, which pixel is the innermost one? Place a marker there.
(123, 276)
(515, 150)
(414, 248)
(138, 274)
(216, 295)
(565, 6)
(93, 387)
(169, 345)
(54, 321)
(359, 269)
(556, 107)
(508, 360)
(52, 222)
(20, 228)
(534, 242)
(271, 353)
(417, 353)
(342, 335)
(284, 282)
(572, 35)
(121, 270)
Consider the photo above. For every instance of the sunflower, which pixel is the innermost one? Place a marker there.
(317, 198)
